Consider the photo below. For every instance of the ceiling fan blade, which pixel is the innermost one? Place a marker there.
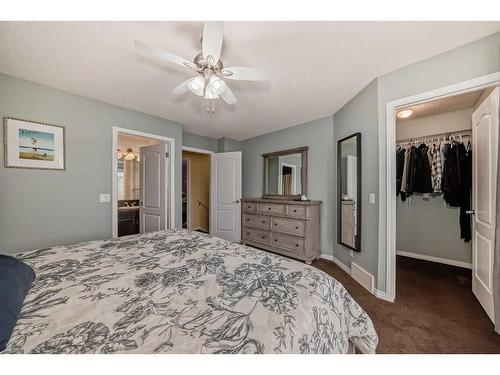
(228, 96)
(164, 55)
(241, 73)
(182, 88)
(213, 32)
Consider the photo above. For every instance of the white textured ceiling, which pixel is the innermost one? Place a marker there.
(449, 103)
(316, 67)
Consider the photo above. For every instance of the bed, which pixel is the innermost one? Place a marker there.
(177, 291)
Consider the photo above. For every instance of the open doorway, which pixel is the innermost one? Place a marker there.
(443, 223)
(142, 182)
(196, 179)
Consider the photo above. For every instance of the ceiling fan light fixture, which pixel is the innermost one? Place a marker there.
(216, 85)
(197, 85)
(405, 113)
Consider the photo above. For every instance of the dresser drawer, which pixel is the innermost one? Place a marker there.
(267, 208)
(259, 221)
(249, 207)
(296, 211)
(284, 225)
(256, 235)
(287, 242)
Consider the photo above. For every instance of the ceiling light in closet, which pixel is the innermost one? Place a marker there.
(405, 113)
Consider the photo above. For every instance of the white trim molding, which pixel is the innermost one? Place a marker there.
(198, 150)
(377, 293)
(434, 259)
(170, 207)
(388, 161)
(337, 261)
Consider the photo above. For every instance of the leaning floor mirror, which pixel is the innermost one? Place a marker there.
(349, 192)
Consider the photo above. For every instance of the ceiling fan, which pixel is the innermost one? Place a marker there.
(209, 82)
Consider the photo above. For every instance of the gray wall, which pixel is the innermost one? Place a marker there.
(415, 233)
(43, 208)
(318, 135)
(199, 141)
(360, 115)
(225, 144)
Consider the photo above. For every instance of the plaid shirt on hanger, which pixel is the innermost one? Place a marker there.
(436, 169)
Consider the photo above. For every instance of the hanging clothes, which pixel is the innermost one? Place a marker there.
(437, 169)
(400, 161)
(451, 176)
(466, 189)
(404, 179)
(443, 168)
(421, 170)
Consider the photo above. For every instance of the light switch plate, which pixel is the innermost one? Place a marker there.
(104, 198)
(372, 198)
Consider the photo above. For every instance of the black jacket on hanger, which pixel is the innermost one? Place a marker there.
(421, 170)
(400, 163)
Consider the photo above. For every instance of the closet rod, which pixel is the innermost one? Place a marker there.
(466, 132)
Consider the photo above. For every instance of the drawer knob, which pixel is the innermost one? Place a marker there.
(269, 208)
(248, 219)
(275, 223)
(263, 236)
(294, 210)
(297, 244)
(248, 234)
(296, 227)
(263, 221)
(276, 239)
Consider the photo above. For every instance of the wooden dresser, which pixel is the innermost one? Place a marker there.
(286, 227)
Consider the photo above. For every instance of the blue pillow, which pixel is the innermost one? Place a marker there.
(16, 279)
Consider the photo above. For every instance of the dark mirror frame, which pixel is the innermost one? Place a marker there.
(303, 170)
(357, 246)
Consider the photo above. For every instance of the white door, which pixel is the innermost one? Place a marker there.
(153, 190)
(225, 196)
(484, 171)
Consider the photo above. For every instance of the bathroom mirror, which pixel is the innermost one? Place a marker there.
(285, 174)
(349, 191)
(128, 175)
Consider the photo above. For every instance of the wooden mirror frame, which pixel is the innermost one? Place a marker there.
(357, 245)
(303, 172)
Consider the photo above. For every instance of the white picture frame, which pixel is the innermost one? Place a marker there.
(33, 145)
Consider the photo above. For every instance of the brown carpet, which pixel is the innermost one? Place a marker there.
(435, 310)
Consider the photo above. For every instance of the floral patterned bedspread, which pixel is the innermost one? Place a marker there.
(177, 291)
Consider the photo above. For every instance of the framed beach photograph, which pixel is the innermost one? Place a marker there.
(35, 145)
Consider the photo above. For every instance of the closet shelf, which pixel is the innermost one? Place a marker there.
(436, 137)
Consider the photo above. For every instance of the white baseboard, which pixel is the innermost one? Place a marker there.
(430, 258)
(363, 277)
(382, 295)
(374, 291)
(337, 261)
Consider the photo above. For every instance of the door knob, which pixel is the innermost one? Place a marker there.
(470, 212)
(236, 201)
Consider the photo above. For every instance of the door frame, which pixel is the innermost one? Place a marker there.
(188, 192)
(280, 177)
(387, 162)
(206, 152)
(170, 196)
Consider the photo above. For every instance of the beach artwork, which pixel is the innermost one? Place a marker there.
(36, 145)
(33, 145)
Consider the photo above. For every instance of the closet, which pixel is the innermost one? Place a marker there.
(446, 157)
(433, 184)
